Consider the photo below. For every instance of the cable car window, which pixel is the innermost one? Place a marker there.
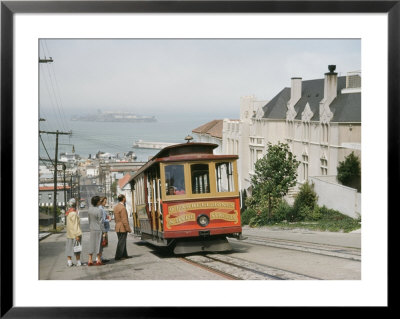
(224, 174)
(175, 179)
(200, 178)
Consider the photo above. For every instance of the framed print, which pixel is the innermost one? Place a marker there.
(27, 27)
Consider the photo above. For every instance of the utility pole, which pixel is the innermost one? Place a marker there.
(55, 175)
(71, 187)
(65, 192)
(79, 187)
(110, 189)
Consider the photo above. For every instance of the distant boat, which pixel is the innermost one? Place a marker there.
(151, 145)
(115, 117)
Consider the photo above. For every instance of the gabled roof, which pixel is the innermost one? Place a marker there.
(124, 180)
(345, 107)
(213, 128)
(277, 107)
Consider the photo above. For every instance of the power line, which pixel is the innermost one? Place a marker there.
(57, 133)
(46, 150)
(56, 93)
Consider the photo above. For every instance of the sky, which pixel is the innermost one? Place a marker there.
(156, 76)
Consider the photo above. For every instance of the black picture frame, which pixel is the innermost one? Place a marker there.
(9, 8)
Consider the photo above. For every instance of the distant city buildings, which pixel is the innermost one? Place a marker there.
(46, 196)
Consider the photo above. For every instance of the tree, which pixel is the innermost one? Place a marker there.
(274, 174)
(349, 172)
(114, 189)
(305, 204)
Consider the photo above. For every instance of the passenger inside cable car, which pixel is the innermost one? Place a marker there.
(175, 179)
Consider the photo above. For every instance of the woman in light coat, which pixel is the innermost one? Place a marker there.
(74, 233)
(96, 227)
(106, 218)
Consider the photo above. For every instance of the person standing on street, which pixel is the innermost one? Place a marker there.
(106, 218)
(74, 233)
(121, 228)
(96, 227)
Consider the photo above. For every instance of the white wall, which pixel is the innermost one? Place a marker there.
(335, 196)
(207, 138)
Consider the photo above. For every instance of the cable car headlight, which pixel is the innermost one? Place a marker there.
(203, 220)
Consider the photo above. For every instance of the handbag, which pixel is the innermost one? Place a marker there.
(77, 246)
(104, 242)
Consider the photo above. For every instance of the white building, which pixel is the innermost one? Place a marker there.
(319, 119)
(71, 158)
(92, 171)
(210, 132)
(124, 188)
(239, 137)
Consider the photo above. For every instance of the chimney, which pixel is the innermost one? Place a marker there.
(295, 91)
(295, 95)
(330, 85)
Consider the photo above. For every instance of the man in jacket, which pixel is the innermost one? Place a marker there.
(122, 228)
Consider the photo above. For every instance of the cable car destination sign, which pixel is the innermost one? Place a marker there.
(182, 213)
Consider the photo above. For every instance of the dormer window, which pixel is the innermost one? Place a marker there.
(353, 82)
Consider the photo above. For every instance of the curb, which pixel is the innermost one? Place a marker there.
(43, 236)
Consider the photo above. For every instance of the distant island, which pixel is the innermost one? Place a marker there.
(114, 117)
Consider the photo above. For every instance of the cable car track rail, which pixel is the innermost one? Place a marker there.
(239, 269)
(315, 248)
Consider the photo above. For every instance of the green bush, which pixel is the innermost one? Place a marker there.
(305, 203)
(308, 214)
(283, 212)
(260, 219)
(349, 172)
(247, 215)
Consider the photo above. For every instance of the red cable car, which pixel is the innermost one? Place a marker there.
(187, 198)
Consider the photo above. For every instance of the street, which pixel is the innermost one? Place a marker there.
(265, 254)
(144, 264)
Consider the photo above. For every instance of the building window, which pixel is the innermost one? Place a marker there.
(224, 173)
(325, 133)
(259, 154)
(324, 166)
(290, 130)
(305, 166)
(306, 131)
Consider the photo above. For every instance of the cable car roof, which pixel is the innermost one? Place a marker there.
(184, 151)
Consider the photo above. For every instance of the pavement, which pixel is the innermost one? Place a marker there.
(352, 239)
(149, 262)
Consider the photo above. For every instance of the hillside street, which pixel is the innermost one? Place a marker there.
(150, 263)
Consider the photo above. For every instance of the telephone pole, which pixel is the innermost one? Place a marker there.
(55, 175)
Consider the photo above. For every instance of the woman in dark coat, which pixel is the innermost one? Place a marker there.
(96, 227)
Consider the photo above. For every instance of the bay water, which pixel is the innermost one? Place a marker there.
(88, 138)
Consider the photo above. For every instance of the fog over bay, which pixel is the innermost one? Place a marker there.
(187, 76)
